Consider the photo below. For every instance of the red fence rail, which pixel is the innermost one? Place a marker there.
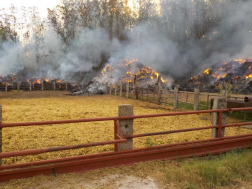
(120, 138)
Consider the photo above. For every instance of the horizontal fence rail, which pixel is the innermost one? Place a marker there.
(3, 125)
(121, 138)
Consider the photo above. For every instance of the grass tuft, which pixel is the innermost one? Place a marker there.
(213, 172)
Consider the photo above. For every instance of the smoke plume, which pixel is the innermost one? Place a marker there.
(178, 41)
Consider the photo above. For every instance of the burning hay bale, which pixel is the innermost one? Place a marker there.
(238, 73)
(17, 82)
(126, 70)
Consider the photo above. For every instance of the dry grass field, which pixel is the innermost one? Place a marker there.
(42, 106)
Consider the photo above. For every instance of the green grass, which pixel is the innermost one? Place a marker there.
(185, 105)
(240, 116)
(211, 171)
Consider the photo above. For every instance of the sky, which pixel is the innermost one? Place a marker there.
(42, 5)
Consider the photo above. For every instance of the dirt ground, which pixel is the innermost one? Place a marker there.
(56, 105)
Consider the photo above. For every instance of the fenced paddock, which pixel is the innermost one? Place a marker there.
(161, 129)
(43, 108)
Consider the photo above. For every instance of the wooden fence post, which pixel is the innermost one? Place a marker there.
(126, 126)
(54, 85)
(42, 86)
(66, 86)
(120, 88)
(196, 99)
(175, 103)
(110, 90)
(106, 87)
(1, 134)
(30, 85)
(127, 90)
(208, 101)
(115, 88)
(18, 86)
(159, 90)
(135, 88)
(219, 103)
(6, 86)
(187, 97)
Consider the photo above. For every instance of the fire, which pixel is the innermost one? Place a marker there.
(248, 76)
(240, 61)
(236, 69)
(38, 81)
(206, 71)
(126, 72)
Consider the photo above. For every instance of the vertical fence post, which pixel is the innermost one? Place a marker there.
(106, 87)
(110, 89)
(219, 118)
(30, 83)
(42, 86)
(18, 85)
(1, 139)
(135, 88)
(175, 103)
(6, 86)
(66, 86)
(120, 88)
(54, 86)
(226, 90)
(196, 99)
(208, 101)
(126, 126)
(115, 88)
(159, 90)
(127, 89)
(142, 93)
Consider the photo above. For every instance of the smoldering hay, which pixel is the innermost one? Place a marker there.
(164, 46)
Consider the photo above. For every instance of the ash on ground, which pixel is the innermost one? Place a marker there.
(91, 88)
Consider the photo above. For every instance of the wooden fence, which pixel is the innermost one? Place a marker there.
(29, 86)
(178, 99)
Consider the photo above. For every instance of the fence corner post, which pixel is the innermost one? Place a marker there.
(30, 83)
(135, 88)
(42, 85)
(159, 89)
(196, 99)
(66, 86)
(175, 103)
(1, 139)
(126, 126)
(120, 88)
(219, 103)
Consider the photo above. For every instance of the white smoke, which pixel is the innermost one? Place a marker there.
(162, 45)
